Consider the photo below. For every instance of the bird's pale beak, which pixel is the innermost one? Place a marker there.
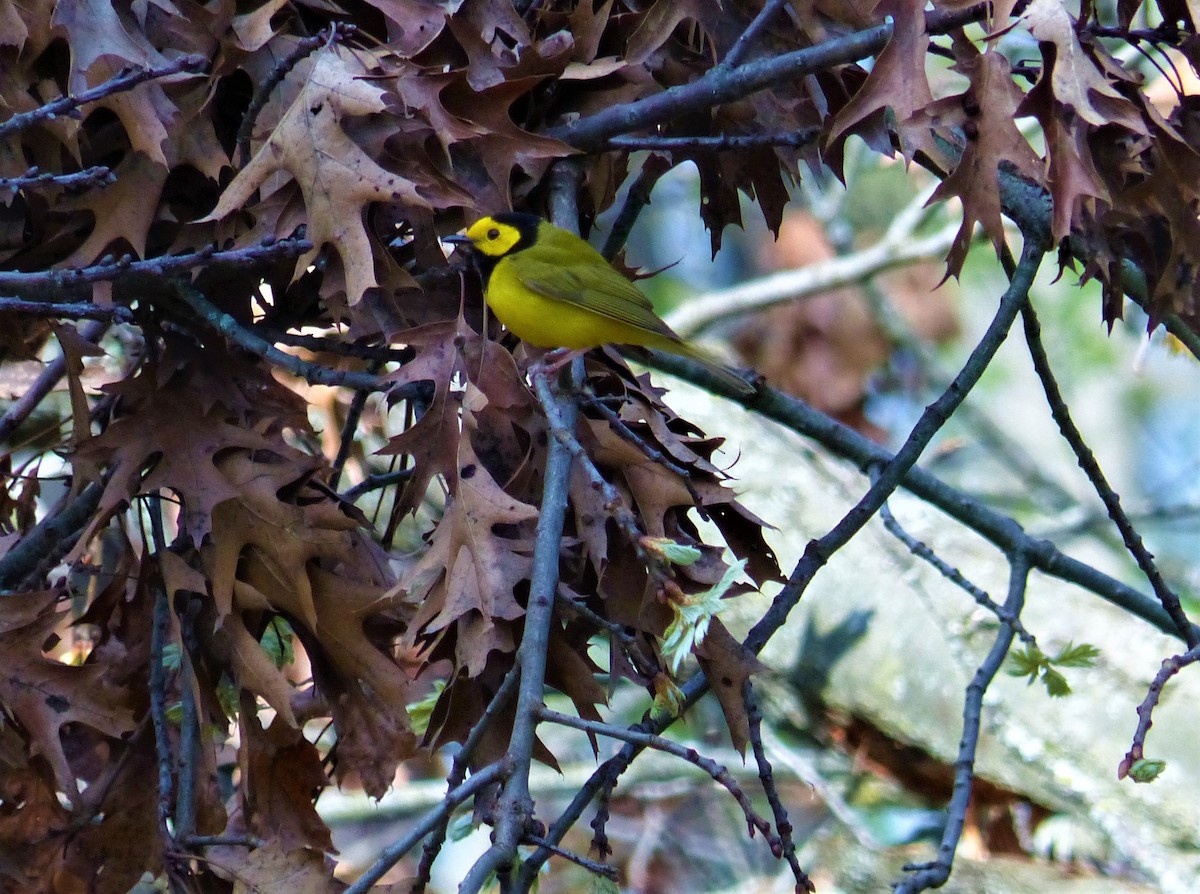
(456, 239)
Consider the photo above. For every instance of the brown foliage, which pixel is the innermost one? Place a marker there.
(369, 147)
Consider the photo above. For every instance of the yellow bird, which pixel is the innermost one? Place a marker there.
(553, 290)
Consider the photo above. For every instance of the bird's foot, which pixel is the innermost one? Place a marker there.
(553, 361)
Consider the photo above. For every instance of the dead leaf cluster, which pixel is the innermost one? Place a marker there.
(369, 146)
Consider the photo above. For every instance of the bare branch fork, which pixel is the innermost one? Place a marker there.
(1001, 530)
(110, 268)
(1087, 461)
(923, 551)
(514, 811)
(458, 772)
(819, 551)
(935, 874)
(121, 82)
(724, 84)
(719, 774)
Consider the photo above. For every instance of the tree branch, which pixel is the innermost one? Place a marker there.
(1145, 711)
(68, 310)
(1091, 468)
(934, 874)
(819, 551)
(897, 248)
(393, 853)
(47, 538)
(1001, 530)
(514, 811)
(922, 551)
(35, 178)
(121, 82)
(643, 739)
(313, 373)
(163, 266)
(721, 85)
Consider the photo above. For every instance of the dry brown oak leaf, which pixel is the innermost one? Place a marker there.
(44, 694)
(336, 177)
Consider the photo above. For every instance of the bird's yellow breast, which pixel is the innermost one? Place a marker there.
(553, 323)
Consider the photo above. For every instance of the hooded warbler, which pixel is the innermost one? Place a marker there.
(553, 290)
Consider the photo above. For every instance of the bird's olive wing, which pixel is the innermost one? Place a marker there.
(599, 289)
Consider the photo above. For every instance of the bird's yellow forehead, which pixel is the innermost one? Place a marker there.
(491, 237)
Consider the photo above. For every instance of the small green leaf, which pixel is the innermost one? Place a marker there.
(1146, 770)
(1056, 683)
(1071, 655)
(172, 656)
(668, 698)
(279, 642)
(421, 710)
(460, 827)
(174, 713)
(603, 885)
(690, 624)
(1027, 662)
(674, 552)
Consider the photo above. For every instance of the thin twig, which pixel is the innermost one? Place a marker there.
(35, 178)
(923, 551)
(393, 853)
(717, 143)
(346, 443)
(1145, 711)
(614, 629)
(160, 633)
(377, 482)
(743, 45)
(643, 739)
(766, 775)
(592, 866)
(336, 33)
(614, 504)
(189, 727)
(66, 310)
(515, 808)
(313, 373)
(124, 80)
(223, 841)
(162, 266)
(935, 873)
(1087, 461)
(637, 197)
(50, 376)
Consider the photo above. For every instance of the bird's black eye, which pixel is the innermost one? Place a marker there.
(493, 234)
